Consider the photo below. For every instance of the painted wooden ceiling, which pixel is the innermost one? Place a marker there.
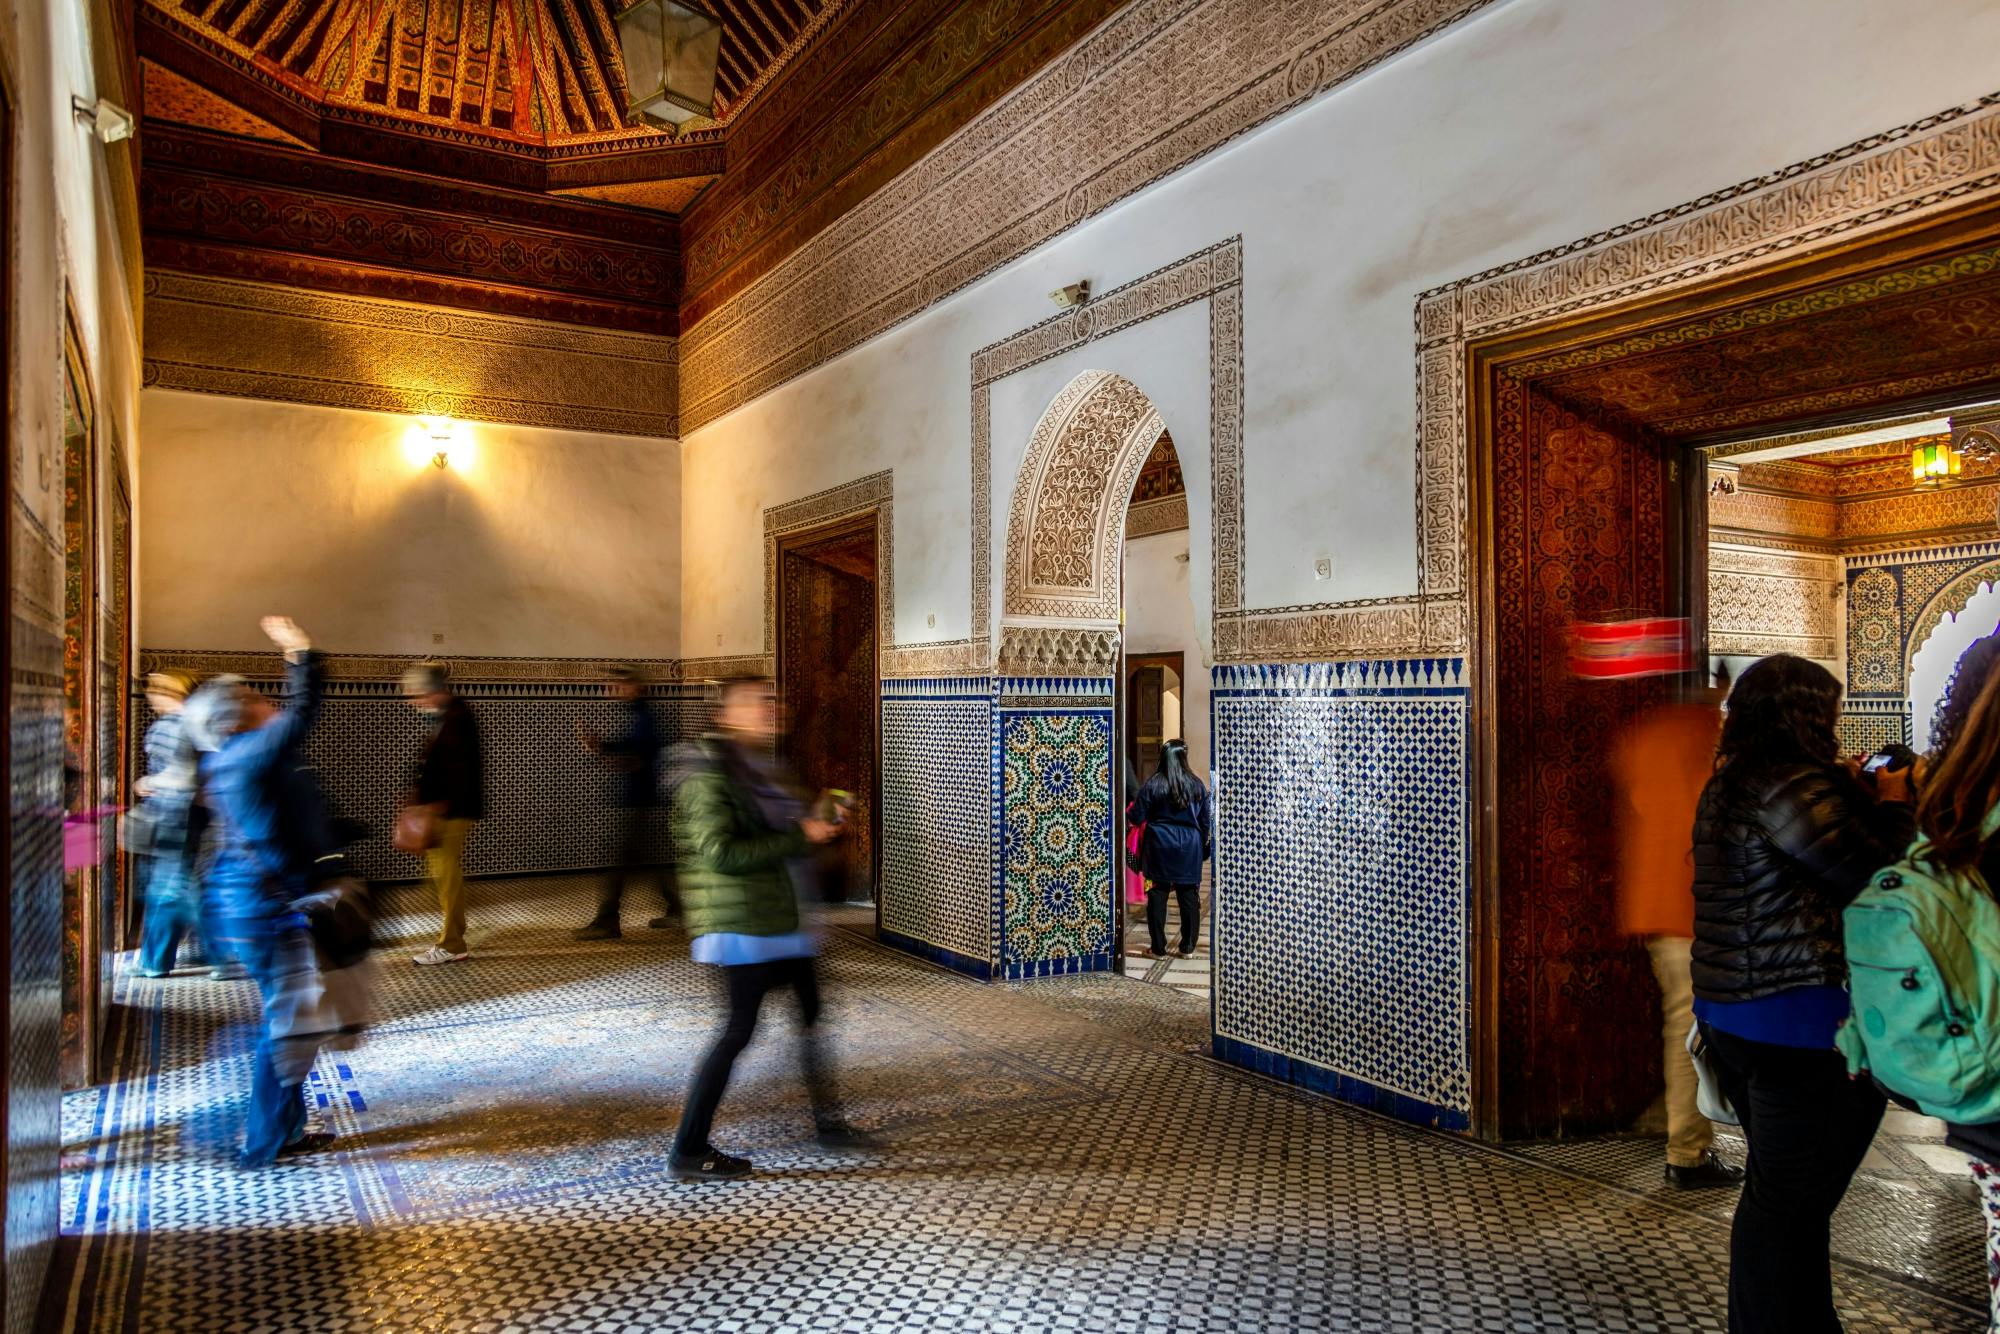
(536, 71)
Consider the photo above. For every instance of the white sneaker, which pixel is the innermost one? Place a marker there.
(439, 954)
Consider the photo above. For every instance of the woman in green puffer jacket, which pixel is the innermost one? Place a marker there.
(744, 843)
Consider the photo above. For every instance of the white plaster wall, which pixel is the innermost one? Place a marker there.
(1160, 618)
(1527, 127)
(1933, 664)
(66, 251)
(534, 543)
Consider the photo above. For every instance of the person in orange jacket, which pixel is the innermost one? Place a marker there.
(1659, 764)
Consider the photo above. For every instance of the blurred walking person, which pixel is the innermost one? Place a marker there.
(252, 772)
(745, 842)
(1660, 764)
(448, 796)
(165, 832)
(633, 752)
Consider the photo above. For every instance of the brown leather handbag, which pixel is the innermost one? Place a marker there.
(417, 829)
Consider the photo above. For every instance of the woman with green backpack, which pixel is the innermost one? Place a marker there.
(1956, 859)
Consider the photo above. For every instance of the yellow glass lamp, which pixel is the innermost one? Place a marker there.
(1934, 462)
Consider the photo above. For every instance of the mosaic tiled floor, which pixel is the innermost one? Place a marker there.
(1055, 1159)
(1190, 975)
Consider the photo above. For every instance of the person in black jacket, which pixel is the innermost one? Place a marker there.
(450, 785)
(633, 753)
(1179, 837)
(1785, 836)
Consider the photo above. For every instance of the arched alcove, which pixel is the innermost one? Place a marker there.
(1963, 610)
(1066, 524)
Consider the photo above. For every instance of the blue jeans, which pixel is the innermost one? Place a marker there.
(173, 912)
(280, 959)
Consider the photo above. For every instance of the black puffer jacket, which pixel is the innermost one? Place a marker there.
(1779, 850)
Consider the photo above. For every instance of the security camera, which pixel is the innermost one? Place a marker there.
(107, 120)
(1073, 295)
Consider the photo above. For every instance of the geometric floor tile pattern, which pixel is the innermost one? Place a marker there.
(1055, 1158)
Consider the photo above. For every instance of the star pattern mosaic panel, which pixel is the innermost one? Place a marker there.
(1267, 1208)
(548, 801)
(937, 853)
(1341, 880)
(1055, 841)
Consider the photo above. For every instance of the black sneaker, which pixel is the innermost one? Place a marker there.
(597, 931)
(841, 1135)
(310, 1143)
(712, 1164)
(1710, 1171)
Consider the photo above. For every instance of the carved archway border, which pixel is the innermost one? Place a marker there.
(1066, 522)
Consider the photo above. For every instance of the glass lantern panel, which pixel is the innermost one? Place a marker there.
(643, 45)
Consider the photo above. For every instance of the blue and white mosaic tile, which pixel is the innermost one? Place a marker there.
(937, 889)
(1342, 880)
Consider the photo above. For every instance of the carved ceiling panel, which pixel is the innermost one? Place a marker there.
(545, 72)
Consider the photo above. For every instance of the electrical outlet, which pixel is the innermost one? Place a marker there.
(1323, 568)
(930, 621)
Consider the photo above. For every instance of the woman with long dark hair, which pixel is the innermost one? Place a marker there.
(1961, 787)
(1179, 837)
(1785, 836)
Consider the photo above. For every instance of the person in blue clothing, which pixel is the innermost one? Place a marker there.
(633, 753)
(1180, 835)
(1785, 835)
(269, 832)
(170, 885)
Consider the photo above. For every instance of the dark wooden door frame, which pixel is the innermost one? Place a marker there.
(1177, 661)
(847, 525)
(1802, 271)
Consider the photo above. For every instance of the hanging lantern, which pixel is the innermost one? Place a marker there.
(1933, 463)
(670, 53)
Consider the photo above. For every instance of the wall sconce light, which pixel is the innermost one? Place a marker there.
(1071, 295)
(433, 440)
(107, 120)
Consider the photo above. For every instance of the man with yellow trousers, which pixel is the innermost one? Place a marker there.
(1660, 765)
(450, 787)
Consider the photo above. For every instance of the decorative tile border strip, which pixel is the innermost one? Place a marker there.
(388, 668)
(285, 344)
(983, 198)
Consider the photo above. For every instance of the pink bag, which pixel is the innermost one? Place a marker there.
(1135, 884)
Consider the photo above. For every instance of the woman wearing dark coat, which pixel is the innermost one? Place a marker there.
(1785, 836)
(1180, 824)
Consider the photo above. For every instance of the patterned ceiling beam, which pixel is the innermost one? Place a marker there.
(229, 207)
(877, 92)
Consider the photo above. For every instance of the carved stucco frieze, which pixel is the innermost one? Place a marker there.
(1058, 651)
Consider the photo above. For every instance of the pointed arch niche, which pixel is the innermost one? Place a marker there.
(1066, 524)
